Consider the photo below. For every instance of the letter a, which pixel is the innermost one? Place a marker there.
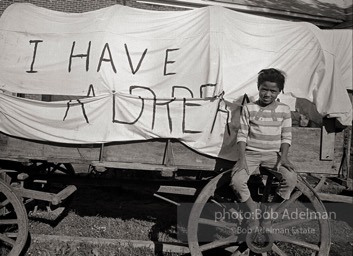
(106, 47)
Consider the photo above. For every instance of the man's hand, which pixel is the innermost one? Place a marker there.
(287, 164)
(240, 165)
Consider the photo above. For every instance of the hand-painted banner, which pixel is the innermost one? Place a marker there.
(112, 49)
(118, 117)
(165, 61)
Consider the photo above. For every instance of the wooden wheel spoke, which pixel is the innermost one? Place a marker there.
(288, 202)
(290, 223)
(277, 250)
(293, 240)
(218, 243)
(4, 203)
(215, 223)
(8, 221)
(12, 234)
(7, 240)
(218, 203)
(242, 248)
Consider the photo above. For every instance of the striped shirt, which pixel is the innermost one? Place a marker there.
(265, 128)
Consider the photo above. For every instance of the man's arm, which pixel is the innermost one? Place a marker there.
(284, 157)
(241, 140)
(286, 140)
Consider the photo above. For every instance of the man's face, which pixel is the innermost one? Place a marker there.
(268, 92)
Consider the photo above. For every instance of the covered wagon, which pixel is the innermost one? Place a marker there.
(125, 88)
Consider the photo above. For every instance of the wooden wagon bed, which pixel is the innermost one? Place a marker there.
(163, 155)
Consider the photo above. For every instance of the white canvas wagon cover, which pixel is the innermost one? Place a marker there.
(156, 74)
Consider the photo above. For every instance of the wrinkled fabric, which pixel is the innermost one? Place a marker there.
(157, 74)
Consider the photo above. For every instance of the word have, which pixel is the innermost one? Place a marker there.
(106, 56)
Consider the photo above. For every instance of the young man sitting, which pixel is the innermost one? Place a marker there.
(264, 139)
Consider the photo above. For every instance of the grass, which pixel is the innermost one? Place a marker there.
(84, 249)
(105, 212)
(115, 213)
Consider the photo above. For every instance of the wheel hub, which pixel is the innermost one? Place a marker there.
(259, 240)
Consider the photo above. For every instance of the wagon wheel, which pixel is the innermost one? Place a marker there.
(217, 223)
(13, 222)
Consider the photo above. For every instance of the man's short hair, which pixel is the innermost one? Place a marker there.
(271, 75)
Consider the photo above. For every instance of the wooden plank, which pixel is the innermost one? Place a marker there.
(134, 166)
(166, 199)
(39, 195)
(350, 147)
(63, 194)
(73, 153)
(23, 150)
(17, 148)
(327, 139)
(168, 158)
(189, 158)
(149, 151)
(304, 153)
(46, 196)
(335, 198)
(345, 176)
(346, 168)
(177, 190)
